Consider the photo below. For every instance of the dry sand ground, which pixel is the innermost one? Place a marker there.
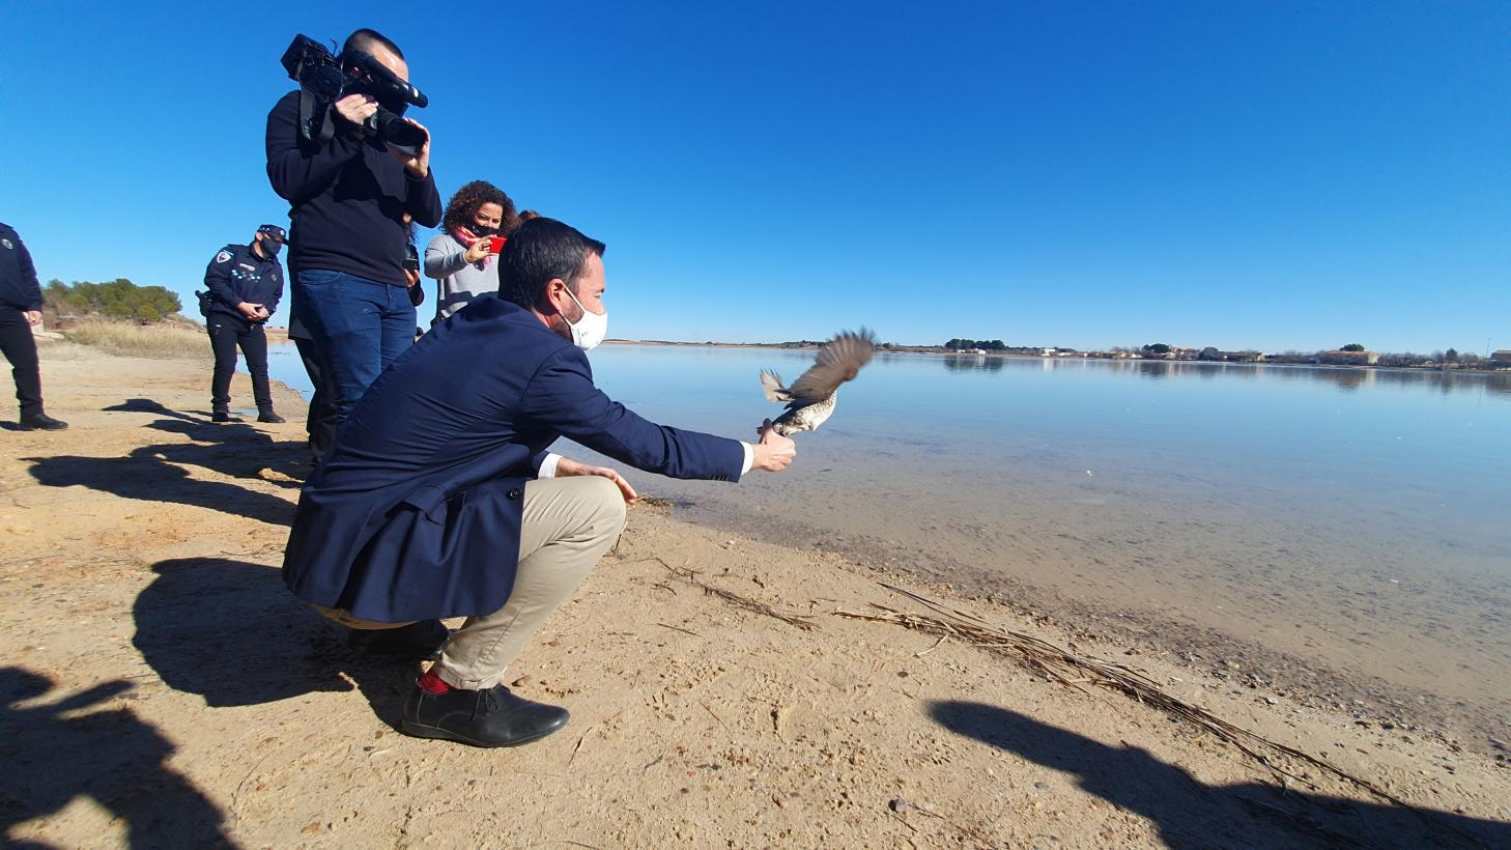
(161, 689)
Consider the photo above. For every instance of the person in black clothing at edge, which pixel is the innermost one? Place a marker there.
(244, 283)
(20, 308)
(348, 197)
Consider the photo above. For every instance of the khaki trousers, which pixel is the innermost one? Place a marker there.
(568, 524)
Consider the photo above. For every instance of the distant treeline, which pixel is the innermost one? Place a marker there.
(1350, 354)
(1354, 353)
(970, 344)
(115, 299)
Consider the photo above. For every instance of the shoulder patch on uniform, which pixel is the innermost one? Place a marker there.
(223, 257)
(7, 243)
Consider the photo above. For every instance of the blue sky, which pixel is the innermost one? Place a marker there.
(1270, 175)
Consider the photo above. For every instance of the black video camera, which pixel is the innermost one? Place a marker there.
(325, 79)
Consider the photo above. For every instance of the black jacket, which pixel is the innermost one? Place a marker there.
(347, 198)
(236, 274)
(18, 277)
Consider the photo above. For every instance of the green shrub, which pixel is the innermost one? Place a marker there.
(117, 299)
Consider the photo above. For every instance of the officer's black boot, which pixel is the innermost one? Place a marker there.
(36, 420)
(221, 413)
(266, 414)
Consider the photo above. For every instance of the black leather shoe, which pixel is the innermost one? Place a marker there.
(416, 640)
(488, 718)
(41, 422)
(270, 416)
(221, 415)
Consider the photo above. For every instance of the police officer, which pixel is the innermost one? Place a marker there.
(20, 308)
(245, 283)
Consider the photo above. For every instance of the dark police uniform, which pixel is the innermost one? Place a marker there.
(235, 275)
(19, 293)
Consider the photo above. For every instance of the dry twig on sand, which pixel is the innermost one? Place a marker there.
(735, 599)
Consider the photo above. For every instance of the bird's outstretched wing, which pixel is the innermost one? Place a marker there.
(771, 384)
(838, 361)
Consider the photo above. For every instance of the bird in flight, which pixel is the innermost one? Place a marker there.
(811, 398)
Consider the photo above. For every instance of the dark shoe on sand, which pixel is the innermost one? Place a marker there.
(221, 414)
(488, 718)
(270, 416)
(41, 422)
(416, 640)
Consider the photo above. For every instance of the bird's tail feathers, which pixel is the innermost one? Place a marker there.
(771, 384)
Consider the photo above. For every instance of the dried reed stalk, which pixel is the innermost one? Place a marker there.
(735, 599)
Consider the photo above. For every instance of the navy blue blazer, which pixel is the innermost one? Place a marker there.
(415, 514)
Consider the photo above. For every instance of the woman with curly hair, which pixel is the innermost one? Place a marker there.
(462, 258)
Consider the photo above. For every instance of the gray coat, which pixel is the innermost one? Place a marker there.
(459, 281)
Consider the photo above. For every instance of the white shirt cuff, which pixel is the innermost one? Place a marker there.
(749, 458)
(548, 466)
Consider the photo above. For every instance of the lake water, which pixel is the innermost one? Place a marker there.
(1339, 532)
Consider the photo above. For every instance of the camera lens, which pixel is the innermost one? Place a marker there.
(398, 133)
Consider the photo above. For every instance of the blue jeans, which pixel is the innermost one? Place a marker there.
(359, 326)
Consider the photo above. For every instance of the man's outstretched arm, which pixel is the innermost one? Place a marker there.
(562, 396)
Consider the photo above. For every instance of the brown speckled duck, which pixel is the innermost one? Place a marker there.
(810, 400)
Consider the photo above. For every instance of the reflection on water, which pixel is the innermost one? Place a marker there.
(967, 362)
(1356, 517)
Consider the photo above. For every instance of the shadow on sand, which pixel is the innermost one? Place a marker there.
(231, 632)
(52, 755)
(155, 473)
(1191, 814)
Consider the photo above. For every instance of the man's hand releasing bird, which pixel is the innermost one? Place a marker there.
(810, 400)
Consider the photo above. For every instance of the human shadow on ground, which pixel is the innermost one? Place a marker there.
(53, 754)
(231, 632)
(237, 449)
(155, 473)
(1191, 814)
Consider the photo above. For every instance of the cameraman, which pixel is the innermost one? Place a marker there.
(244, 283)
(348, 198)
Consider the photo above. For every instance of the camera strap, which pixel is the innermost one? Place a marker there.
(311, 111)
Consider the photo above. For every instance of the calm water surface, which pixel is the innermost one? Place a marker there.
(1355, 520)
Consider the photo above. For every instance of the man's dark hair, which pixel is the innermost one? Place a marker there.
(363, 38)
(542, 249)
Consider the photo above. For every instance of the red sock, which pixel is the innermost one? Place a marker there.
(431, 683)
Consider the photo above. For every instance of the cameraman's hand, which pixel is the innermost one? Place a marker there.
(418, 166)
(356, 108)
(33, 317)
(774, 452)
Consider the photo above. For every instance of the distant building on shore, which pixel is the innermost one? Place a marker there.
(1501, 359)
(1348, 358)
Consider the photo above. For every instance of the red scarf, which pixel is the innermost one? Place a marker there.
(467, 238)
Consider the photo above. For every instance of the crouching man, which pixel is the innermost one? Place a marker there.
(439, 498)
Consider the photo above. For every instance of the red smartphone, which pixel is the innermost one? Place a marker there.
(496, 243)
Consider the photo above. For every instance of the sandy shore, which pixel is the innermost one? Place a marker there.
(162, 689)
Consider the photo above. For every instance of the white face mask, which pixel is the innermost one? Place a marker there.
(589, 330)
